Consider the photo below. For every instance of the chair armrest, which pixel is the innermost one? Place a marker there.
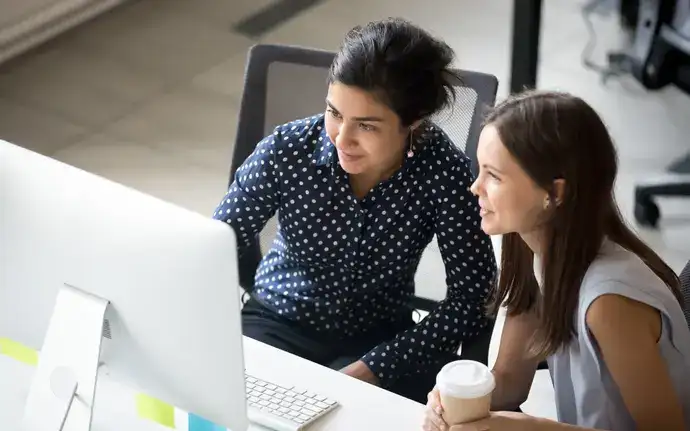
(423, 304)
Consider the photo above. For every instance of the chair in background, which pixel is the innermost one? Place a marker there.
(685, 288)
(284, 83)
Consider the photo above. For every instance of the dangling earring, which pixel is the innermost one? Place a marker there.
(410, 151)
(547, 203)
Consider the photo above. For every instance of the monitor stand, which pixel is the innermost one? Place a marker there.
(62, 391)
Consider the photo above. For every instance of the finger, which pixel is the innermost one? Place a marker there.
(434, 402)
(429, 425)
(474, 426)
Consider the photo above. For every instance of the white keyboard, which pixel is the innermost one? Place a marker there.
(284, 408)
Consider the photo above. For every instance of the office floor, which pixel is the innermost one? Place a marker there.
(147, 94)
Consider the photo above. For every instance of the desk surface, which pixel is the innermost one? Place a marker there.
(362, 406)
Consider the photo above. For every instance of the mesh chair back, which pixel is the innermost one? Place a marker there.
(284, 83)
(685, 287)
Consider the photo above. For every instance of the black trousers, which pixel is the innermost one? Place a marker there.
(268, 327)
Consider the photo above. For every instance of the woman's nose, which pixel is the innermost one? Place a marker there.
(474, 188)
(344, 138)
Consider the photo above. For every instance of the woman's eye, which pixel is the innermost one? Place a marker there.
(334, 114)
(367, 127)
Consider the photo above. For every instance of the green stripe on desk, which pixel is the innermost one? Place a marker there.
(18, 351)
(155, 410)
(147, 407)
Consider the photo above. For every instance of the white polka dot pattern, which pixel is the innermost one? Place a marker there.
(344, 266)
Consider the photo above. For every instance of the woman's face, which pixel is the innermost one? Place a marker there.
(509, 199)
(367, 134)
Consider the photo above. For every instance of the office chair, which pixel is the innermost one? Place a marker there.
(685, 288)
(284, 83)
(660, 55)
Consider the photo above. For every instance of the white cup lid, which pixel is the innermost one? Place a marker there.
(465, 379)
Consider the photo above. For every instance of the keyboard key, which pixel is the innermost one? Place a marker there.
(311, 408)
(307, 412)
(271, 402)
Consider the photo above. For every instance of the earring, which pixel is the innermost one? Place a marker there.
(410, 151)
(547, 203)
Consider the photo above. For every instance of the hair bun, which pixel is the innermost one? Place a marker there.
(402, 64)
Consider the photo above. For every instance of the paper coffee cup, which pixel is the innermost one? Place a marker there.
(465, 388)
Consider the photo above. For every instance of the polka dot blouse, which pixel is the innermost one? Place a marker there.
(343, 266)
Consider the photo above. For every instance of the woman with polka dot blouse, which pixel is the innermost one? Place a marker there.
(360, 191)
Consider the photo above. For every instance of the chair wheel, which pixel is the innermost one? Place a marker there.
(647, 212)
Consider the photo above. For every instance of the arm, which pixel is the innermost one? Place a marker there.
(626, 332)
(514, 369)
(253, 197)
(470, 269)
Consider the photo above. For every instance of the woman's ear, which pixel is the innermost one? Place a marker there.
(415, 125)
(558, 191)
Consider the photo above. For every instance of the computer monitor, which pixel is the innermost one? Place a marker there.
(97, 276)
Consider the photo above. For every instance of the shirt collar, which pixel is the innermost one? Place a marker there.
(324, 151)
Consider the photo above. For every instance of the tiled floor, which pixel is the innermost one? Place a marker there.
(147, 95)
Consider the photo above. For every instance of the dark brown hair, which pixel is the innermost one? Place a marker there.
(402, 64)
(558, 136)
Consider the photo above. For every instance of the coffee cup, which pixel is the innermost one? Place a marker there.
(465, 389)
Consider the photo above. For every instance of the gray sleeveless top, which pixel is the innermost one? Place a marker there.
(586, 394)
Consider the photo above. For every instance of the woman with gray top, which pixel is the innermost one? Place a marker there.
(580, 288)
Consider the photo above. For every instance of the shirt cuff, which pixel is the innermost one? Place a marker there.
(383, 362)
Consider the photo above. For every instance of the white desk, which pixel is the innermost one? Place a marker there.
(362, 406)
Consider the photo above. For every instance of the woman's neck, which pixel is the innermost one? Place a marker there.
(363, 183)
(534, 240)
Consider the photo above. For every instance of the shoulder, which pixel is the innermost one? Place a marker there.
(610, 313)
(619, 271)
(441, 153)
(301, 134)
(443, 163)
(619, 286)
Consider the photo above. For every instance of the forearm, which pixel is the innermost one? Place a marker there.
(541, 424)
(433, 340)
(509, 393)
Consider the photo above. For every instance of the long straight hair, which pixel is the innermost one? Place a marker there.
(555, 136)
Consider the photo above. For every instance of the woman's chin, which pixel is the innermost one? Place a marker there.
(490, 228)
(352, 168)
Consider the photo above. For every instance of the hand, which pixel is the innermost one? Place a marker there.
(499, 421)
(359, 370)
(432, 419)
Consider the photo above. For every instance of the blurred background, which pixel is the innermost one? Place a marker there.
(146, 92)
